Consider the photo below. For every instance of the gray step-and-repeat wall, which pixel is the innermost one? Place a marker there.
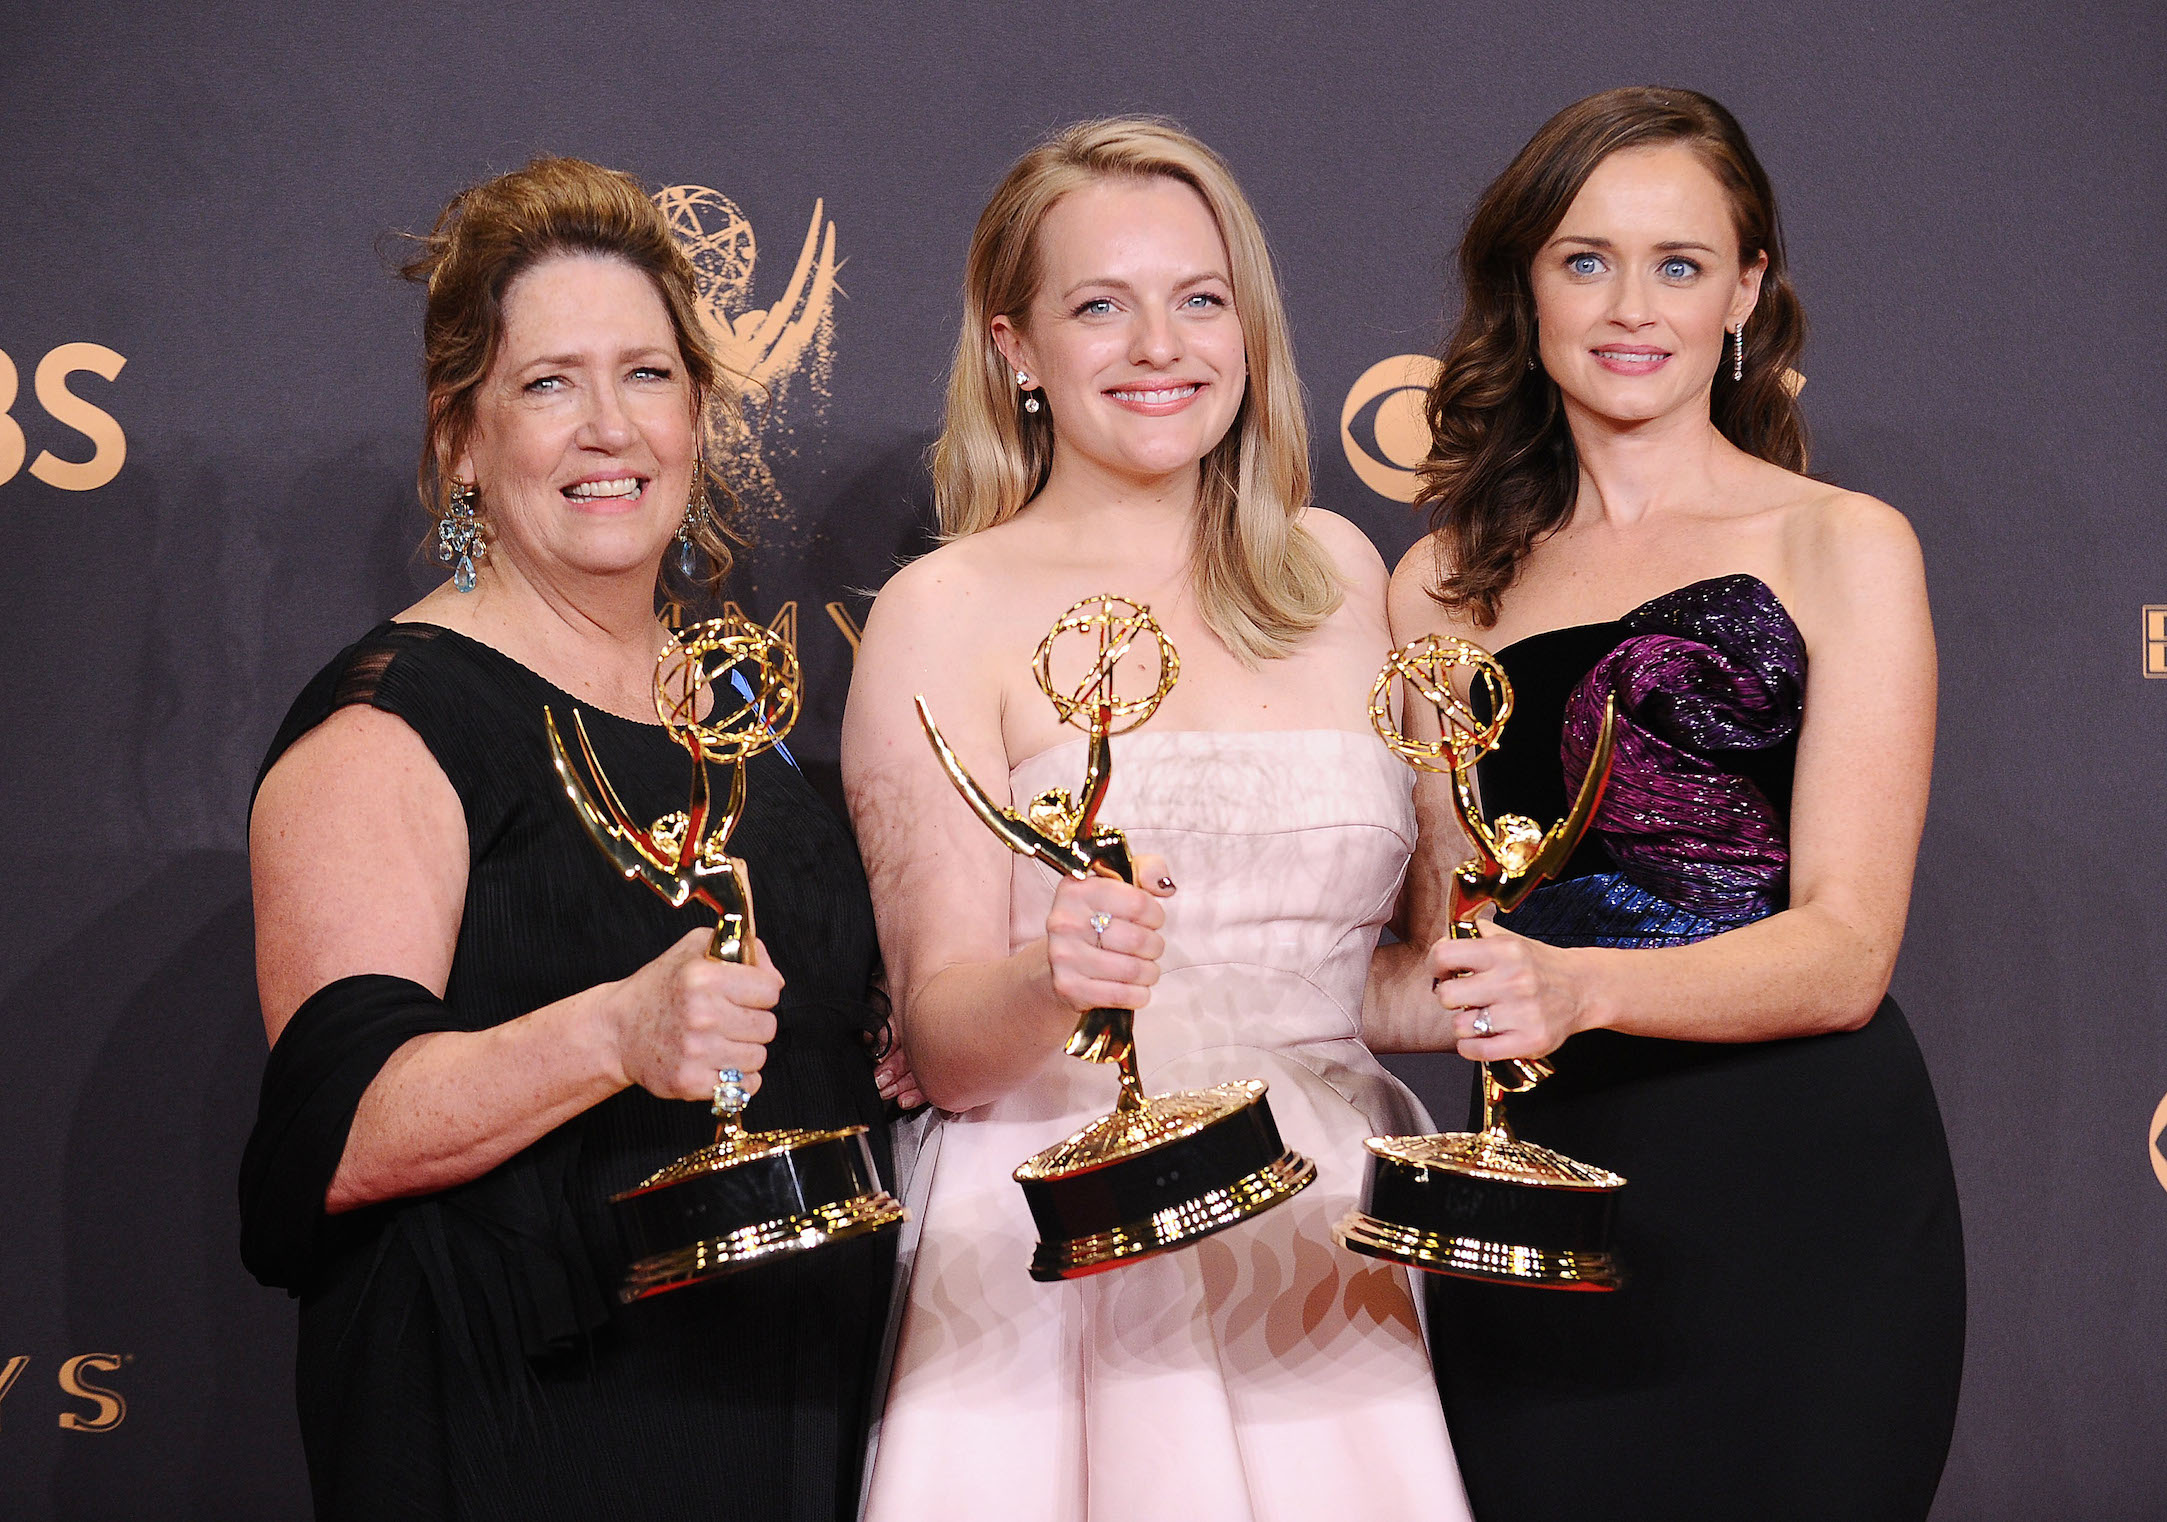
(209, 409)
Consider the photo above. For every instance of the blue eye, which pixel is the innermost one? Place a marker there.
(545, 383)
(1097, 306)
(1585, 264)
(1679, 269)
(1208, 298)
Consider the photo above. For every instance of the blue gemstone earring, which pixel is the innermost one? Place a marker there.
(688, 553)
(459, 534)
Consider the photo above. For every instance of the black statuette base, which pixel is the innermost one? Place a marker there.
(749, 1199)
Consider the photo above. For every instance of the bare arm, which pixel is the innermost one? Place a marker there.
(358, 853)
(975, 1018)
(1865, 758)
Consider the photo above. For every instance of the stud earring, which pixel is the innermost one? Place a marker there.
(688, 553)
(459, 534)
(1738, 351)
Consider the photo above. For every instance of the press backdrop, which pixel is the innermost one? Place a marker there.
(210, 416)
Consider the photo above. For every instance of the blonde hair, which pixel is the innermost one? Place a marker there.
(493, 233)
(1262, 581)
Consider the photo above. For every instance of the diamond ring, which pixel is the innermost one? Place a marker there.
(1482, 1023)
(730, 1092)
(1100, 923)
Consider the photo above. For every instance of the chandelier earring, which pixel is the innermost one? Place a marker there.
(1738, 351)
(460, 539)
(1030, 402)
(688, 551)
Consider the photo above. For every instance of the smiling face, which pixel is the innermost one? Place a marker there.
(583, 438)
(1636, 291)
(1132, 331)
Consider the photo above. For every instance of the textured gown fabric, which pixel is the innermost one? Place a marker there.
(1263, 1372)
(461, 1354)
(1789, 1338)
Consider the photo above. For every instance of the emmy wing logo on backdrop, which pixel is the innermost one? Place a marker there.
(49, 383)
(781, 355)
(2155, 639)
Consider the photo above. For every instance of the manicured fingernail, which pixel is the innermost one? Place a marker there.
(1167, 883)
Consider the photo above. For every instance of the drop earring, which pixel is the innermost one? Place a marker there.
(688, 553)
(459, 534)
(1030, 402)
(1738, 351)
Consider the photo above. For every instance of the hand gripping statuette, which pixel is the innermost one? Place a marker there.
(1163, 1170)
(1485, 1205)
(752, 1194)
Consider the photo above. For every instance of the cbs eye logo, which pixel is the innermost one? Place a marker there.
(109, 445)
(1382, 426)
(2155, 1136)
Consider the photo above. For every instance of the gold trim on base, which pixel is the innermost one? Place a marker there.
(1251, 1195)
(1496, 1155)
(1474, 1258)
(1158, 1121)
(740, 1249)
(729, 1151)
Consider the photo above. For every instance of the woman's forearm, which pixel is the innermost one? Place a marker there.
(1802, 972)
(1399, 1011)
(449, 1106)
(975, 1030)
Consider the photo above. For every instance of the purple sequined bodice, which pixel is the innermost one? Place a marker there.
(1692, 835)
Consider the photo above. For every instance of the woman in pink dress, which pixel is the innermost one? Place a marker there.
(1124, 418)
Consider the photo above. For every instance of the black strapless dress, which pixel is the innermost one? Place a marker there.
(1790, 1335)
(462, 1354)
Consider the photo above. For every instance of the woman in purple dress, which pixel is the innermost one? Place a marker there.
(1620, 509)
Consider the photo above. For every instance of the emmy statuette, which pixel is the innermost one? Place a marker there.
(752, 1194)
(1485, 1205)
(1163, 1170)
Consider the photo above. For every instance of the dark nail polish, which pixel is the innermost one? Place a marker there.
(1167, 883)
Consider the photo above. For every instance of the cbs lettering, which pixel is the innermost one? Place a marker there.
(108, 1407)
(49, 383)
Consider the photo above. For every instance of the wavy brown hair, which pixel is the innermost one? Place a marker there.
(493, 233)
(1502, 471)
(1262, 580)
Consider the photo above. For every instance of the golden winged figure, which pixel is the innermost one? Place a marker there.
(1062, 829)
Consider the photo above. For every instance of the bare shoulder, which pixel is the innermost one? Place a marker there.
(1411, 602)
(1854, 565)
(1842, 542)
(356, 754)
(1353, 555)
(1851, 526)
(357, 850)
(959, 568)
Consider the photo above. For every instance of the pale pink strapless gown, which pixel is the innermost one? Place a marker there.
(1264, 1372)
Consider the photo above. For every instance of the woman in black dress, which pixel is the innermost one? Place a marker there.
(480, 1031)
(1619, 508)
